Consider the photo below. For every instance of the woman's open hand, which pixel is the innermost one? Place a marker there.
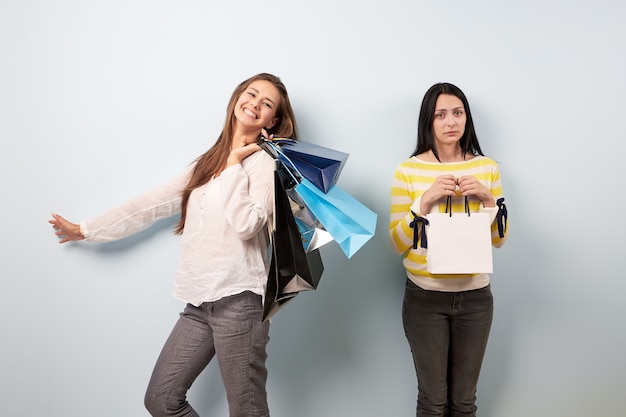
(65, 229)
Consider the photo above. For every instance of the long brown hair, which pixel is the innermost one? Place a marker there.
(213, 161)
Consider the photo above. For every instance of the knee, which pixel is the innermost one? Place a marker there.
(162, 405)
(153, 404)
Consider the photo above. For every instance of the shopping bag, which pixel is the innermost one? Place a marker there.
(311, 230)
(458, 243)
(350, 223)
(313, 235)
(292, 269)
(320, 165)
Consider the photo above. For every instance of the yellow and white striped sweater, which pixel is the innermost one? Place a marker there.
(411, 179)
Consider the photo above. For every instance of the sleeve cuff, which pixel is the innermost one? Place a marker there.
(83, 229)
(415, 207)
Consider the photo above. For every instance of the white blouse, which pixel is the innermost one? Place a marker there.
(224, 247)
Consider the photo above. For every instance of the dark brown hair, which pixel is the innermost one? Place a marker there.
(426, 138)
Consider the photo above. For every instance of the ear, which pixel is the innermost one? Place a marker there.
(272, 123)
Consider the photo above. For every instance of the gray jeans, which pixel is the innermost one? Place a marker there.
(448, 333)
(230, 329)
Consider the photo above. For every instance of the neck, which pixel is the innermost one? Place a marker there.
(449, 155)
(242, 136)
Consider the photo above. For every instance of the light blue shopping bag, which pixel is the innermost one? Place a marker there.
(349, 222)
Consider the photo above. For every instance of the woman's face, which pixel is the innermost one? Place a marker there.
(449, 120)
(256, 106)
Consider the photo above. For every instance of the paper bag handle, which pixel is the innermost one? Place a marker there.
(449, 206)
(279, 155)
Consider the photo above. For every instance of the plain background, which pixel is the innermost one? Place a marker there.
(103, 100)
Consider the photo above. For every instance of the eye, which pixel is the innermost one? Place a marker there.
(251, 94)
(268, 105)
(439, 115)
(458, 113)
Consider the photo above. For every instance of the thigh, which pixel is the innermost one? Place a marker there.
(426, 319)
(470, 327)
(187, 351)
(240, 342)
(468, 342)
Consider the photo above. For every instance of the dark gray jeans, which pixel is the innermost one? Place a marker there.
(447, 333)
(230, 329)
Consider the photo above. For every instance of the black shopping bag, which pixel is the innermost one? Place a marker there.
(292, 268)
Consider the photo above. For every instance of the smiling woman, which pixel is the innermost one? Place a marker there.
(224, 200)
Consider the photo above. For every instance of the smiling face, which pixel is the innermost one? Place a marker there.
(256, 106)
(449, 120)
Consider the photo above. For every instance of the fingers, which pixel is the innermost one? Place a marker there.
(239, 154)
(446, 184)
(65, 229)
(247, 150)
(470, 186)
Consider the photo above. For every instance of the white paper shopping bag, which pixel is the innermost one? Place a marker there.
(459, 243)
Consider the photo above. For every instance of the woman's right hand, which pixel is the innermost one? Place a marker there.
(444, 186)
(244, 148)
(65, 229)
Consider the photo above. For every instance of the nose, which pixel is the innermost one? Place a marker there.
(451, 121)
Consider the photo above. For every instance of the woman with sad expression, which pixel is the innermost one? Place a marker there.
(447, 318)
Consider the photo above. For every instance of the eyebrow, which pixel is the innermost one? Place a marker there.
(265, 98)
(456, 108)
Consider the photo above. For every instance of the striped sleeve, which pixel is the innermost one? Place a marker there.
(404, 201)
(499, 227)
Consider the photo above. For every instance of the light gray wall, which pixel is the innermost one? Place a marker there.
(102, 100)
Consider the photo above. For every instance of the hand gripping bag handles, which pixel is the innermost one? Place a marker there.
(457, 243)
(292, 268)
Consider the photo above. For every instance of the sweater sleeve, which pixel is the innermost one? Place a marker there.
(137, 213)
(401, 216)
(500, 222)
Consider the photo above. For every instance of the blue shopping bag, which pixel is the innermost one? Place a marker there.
(350, 223)
(320, 165)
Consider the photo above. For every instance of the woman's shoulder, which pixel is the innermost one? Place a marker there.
(484, 160)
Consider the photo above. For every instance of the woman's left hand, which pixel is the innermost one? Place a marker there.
(469, 185)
